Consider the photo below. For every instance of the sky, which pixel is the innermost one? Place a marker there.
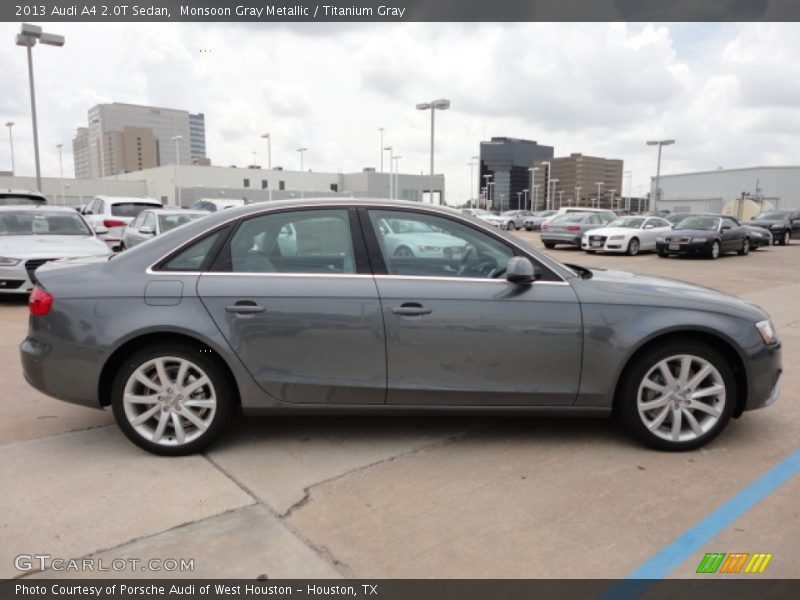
(729, 94)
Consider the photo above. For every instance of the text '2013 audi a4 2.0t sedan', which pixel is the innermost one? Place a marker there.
(305, 306)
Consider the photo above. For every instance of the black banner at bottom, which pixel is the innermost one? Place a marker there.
(399, 589)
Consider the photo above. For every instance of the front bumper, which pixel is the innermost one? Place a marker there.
(693, 248)
(764, 369)
(15, 280)
(606, 246)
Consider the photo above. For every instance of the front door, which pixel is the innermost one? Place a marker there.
(457, 333)
(292, 294)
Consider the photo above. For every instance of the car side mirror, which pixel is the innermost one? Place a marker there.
(78, 208)
(146, 230)
(520, 270)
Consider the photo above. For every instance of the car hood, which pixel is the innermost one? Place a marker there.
(613, 231)
(768, 222)
(690, 233)
(51, 246)
(618, 287)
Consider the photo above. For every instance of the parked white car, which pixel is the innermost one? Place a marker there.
(109, 215)
(510, 219)
(33, 235)
(151, 223)
(215, 204)
(608, 215)
(479, 213)
(630, 235)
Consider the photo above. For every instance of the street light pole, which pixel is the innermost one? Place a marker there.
(391, 171)
(490, 185)
(302, 172)
(10, 124)
(554, 183)
(487, 178)
(658, 143)
(268, 137)
(381, 129)
(578, 195)
(629, 175)
(396, 160)
(547, 191)
(28, 36)
(531, 171)
(441, 104)
(61, 169)
(599, 185)
(177, 139)
(535, 196)
(525, 203)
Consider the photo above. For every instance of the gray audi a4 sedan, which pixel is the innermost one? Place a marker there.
(300, 306)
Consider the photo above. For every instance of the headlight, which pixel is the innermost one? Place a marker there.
(617, 237)
(423, 248)
(767, 332)
(9, 262)
(699, 240)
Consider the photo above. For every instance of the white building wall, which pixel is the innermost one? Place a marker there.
(780, 184)
(76, 191)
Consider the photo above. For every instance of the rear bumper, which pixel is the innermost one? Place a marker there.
(67, 372)
(562, 238)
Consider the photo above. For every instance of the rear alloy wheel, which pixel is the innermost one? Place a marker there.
(633, 247)
(403, 252)
(171, 400)
(713, 254)
(678, 396)
(745, 247)
(787, 238)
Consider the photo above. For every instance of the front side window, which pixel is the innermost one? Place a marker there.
(414, 244)
(303, 241)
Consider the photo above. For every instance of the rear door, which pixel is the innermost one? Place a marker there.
(457, 333)
(292, 293)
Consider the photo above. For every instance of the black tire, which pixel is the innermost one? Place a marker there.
(627, 392)
(220, 382)
(633, 247)
(745, 247)
(528, 228)
(549, 245)
(662, 254)
(403, 252)
(712, 253)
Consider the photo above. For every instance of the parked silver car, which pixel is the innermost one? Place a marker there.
(109, 215)
(33, 235)
(150, 223)
(176, 334)
(534, 222)
(569, 228)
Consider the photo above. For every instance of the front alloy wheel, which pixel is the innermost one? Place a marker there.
(171, 401)
(678, 397)
(745, 247)
(714, 252)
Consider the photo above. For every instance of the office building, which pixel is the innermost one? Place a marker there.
(504, 170)
(122, 138)
(573, 181)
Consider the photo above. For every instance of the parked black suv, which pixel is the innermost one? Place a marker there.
(782, 224)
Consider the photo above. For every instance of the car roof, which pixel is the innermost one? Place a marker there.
(38, 208)
(22, 192)
(129, 199)
(176, 211)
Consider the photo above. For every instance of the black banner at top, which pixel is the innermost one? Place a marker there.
(394, 11)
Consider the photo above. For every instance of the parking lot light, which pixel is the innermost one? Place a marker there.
(28, 36)
(658, 143)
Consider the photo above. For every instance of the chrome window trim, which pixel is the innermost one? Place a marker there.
(331, 204)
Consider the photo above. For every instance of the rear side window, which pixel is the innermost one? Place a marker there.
(195, 256)
(129, 209)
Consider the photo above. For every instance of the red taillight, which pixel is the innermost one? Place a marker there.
(573, 228)
(113, 223)
(40, 302)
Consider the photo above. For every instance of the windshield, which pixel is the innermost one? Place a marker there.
(699, 223)
(544, 213)
(774, 215)
(21, 200)
(130, 209)
(37, 222)
(167, 222)
(628, 223)
(571, 218)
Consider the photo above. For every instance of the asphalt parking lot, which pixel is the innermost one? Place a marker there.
(408, 497)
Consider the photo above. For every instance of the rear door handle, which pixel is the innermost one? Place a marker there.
(411, 309)
(245, 307)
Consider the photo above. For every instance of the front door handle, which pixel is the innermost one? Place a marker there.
(411, 309)
(245, 307)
